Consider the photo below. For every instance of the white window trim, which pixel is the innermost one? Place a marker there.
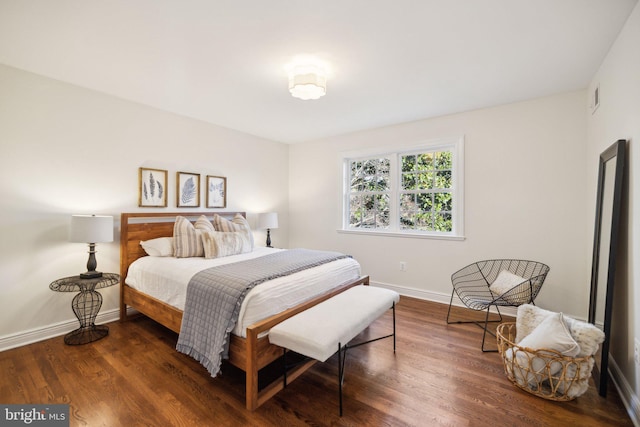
(454, 143)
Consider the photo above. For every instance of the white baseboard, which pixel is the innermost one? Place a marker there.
(51, 331)
(435, 296)
(629, 398)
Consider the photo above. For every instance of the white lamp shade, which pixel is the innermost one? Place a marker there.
(268, 220)
(91, 229)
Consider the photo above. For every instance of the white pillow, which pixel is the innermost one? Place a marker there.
(551, 334)
(588, 336)
(162, 246)
(505, 281)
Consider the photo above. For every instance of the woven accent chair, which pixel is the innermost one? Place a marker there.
(520, 281)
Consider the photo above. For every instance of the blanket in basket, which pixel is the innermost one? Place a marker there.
(214, 297)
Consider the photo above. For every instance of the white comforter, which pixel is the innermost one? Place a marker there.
(166, 279)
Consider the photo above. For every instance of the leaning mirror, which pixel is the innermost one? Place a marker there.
(605, 243)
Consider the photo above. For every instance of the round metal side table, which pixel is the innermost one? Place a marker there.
(86, 305)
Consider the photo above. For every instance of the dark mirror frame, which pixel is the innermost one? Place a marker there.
(612, 156)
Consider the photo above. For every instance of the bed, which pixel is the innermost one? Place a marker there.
(249, 347)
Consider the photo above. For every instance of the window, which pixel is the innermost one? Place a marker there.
(417, 191)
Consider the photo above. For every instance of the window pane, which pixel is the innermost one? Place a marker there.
(443, 179)
(407, 203)
(424, 181)
(382, 220)
(443, 222)
(443, 202)
(407, 221)
(369, 202)
(444, 160)
(355, 211)
(382, 182)
(424, 222)
(369, 219)
(408, 181)
(408, 163)
(425, 161)
(425, 202)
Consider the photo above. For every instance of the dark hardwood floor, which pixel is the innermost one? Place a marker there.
(438, 376)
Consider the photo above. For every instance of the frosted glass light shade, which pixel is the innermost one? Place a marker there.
(307, 82)
(267, 220)
(91, 229)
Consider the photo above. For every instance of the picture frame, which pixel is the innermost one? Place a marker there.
(188, 190)
(216, 191)
(152, 188)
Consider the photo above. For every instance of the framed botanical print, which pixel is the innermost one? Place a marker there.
(152, 187)
(216, 192)
(188, 191)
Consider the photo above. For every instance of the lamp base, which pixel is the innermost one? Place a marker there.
(86, 334)
(91, 275)
(269, 238)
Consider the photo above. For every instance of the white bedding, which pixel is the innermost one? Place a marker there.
(166, 279)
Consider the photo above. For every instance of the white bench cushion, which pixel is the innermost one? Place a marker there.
(317, 331)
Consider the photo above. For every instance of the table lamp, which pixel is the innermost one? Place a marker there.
(268, 220)
(91, 229)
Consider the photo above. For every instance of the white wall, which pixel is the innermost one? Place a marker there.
(68, 150)
(618, 117)
(525, 194)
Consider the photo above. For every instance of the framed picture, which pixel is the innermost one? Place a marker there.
(216, 192)
(188, 190)
(152, 188)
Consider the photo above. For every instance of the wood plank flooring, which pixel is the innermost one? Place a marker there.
(438, 377)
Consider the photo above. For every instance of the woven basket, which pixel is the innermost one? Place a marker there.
(543, 372)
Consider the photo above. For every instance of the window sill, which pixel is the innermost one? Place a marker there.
(404, 235)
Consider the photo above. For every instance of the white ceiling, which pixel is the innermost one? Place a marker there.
(391, 61)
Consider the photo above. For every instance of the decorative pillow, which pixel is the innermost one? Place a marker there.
(504, 282)
(551, 334)
(162, 246)
(204, 225)
(186, 238)
(220, 244)
(237, 224)
(588, 336)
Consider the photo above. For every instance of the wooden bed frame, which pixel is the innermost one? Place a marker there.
(249, 354)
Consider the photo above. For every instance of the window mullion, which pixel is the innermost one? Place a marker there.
(394, 196)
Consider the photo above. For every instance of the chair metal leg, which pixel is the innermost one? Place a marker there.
(450, 303)
(484, 334)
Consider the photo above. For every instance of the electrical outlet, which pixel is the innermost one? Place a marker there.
(636, 352)
(403, 266)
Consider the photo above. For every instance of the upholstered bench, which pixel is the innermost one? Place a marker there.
(328, 327)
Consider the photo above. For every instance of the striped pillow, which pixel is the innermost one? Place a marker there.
(237, 224)
(220, 244)
(203, 224)
(186, 237)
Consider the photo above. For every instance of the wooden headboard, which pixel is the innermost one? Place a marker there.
(138, 226)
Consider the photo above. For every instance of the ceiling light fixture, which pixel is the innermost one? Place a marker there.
(307, 82)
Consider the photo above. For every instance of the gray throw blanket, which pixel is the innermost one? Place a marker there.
(214, 297)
